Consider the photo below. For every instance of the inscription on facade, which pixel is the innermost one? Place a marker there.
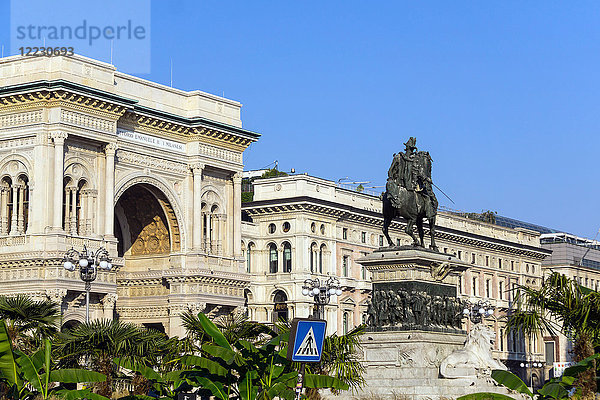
(150, 140)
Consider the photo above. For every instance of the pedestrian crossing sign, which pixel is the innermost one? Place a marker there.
(306, 340)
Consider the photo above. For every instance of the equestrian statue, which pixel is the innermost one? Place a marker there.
(409, 194)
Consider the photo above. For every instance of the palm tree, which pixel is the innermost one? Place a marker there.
(234, 326)
(96, 344)
(562, 305)
(29, 321)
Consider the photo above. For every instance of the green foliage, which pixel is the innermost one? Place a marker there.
(28, 322)
(555, 389)
(256, 370)
(562, 305)
(33, 375)
(101, 341)
(360, 188)
(247, 197)
(272, 173)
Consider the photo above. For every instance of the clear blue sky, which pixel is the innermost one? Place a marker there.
(504, 95)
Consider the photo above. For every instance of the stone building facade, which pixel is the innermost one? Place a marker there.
(300, 227)
(579, 259)
(93, 157)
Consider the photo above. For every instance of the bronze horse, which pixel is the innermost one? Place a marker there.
(414, 205)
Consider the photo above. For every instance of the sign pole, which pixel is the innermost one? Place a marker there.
(300, 381)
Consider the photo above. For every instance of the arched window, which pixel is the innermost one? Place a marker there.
(345, 323)
(287, 257)
(313, 259)
(273, 258)
(321, 251)
(280, 308)
(249, 252)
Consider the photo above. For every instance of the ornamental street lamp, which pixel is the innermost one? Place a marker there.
(477, 311)
(88, 262)
(534, 364)
(322, 294)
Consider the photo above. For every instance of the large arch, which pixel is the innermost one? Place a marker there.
(145, 222)
(164, 188)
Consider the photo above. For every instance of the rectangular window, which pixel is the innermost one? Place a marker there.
(549, 350)
(363, 272)
(512, 265)
(380, 240)
(345, 233)
(345, 265)
(460, 255)
(474, 293)
(398, 242)
(500, 263)
(460, 289)
(487, 288)
(501, 339)
(487, 261)
(501, 290)
(472, 258)
(446, 250)
(363, 237)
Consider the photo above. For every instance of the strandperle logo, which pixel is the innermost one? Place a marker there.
(84, 31)
(89, 28)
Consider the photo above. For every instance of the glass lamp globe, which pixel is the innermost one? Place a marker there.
(83, 262)
(490, 312)
(67, 265)
(316, 291)
(109, 266)
(332, 292)
(305, 291)
(522, 365)
(338, 291)
(466, 311)
(104, 264)
(482, 311)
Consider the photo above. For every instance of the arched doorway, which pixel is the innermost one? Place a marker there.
(280, 308)
(70, 324)
(145, 223)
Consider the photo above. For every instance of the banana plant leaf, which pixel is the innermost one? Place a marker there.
(214, 332)
(511, 381)
(324, 381)
(79, 394)
(9, 369)
(202, 362)
(74, 375)
(485, 396)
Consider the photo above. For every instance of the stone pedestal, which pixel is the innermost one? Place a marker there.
(415, 323)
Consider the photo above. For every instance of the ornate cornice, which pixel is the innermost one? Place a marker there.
(374, 219)
(107, 105)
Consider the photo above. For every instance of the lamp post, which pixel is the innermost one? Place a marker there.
(322, 294)
(527, 365)
(477, 311)
(88, 262)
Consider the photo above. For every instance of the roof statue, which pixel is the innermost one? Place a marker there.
(409, 193)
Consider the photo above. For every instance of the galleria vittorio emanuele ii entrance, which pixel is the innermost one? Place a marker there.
(93, 157)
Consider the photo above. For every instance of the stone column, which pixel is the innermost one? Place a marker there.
(67, 219)
(21, 210)
(219, 225)
(92, 195)
(207, 239)
(73, 211)
(59, 159)
(237, 215)
(108, 305)
(15, 199)
(197, 206)
(83, 213)
(109, 190)
(4, 210)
